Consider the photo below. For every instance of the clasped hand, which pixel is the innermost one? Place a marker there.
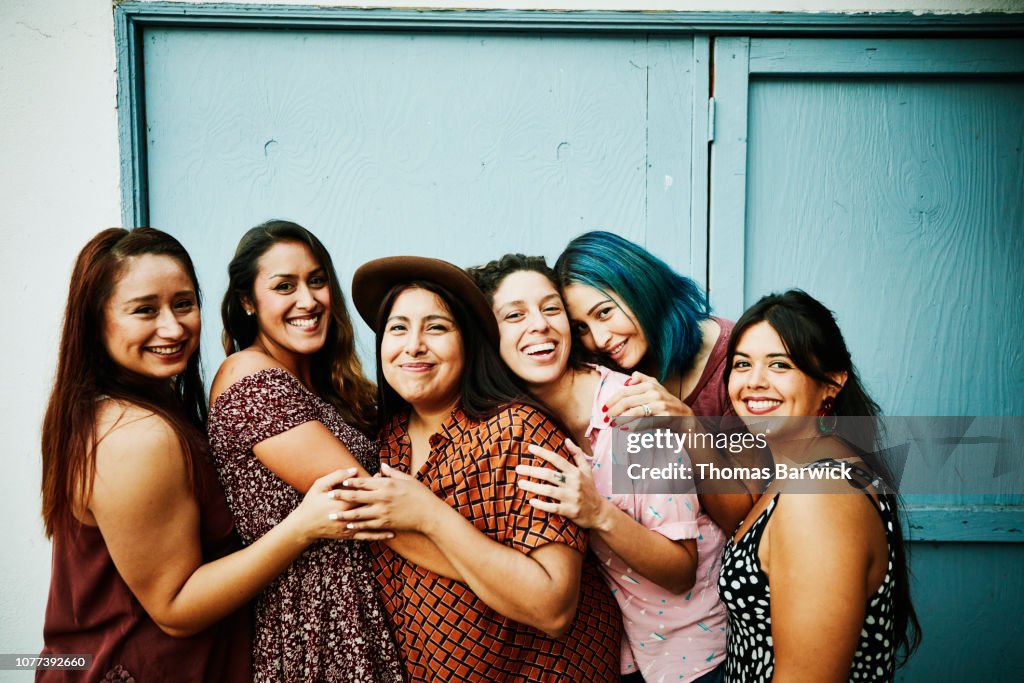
(391, 501)
(640, 391)
(320, 514)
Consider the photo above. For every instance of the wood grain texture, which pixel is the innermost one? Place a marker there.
(727, 216)
(899, 204)
(968, 597)
(455, 145)
(966, 523)
(886, 56)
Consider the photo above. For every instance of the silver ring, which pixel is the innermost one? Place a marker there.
(559, 477)
(647, 410)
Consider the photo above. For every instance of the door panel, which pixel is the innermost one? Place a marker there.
(884, 177)
(455, 145)
(899, 204)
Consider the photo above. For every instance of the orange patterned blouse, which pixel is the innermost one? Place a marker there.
(444, 631)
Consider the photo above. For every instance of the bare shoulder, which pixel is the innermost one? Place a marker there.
(239, 365)
(123, 425)
(841, 517)
(709, 331)
(832, 506)
(138, 453)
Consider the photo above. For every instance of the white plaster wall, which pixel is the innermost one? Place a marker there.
(59, 165)
(58, 186)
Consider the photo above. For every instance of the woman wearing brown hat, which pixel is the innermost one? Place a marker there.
(455, 426)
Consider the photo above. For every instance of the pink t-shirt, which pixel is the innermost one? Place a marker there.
(668, 637)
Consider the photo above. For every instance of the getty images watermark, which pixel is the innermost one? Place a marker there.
(907, 455)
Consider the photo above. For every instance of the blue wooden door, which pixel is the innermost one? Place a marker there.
(462, 146)
(885, 177)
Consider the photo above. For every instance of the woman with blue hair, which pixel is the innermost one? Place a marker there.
(631, 310)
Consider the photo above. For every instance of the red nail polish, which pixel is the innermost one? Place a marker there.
(612, 423)
(604, 409)
(628, 382)
(625, 429)
(605, 418)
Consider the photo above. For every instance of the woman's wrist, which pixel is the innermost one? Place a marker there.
(433, 518)
(292, 528)
(604, 520)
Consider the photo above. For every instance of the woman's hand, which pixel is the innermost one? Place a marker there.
(394, 500)
(640, 391)
(319, 515)
(570, 486)
(670, 564)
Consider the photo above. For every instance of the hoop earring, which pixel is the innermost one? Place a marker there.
(827, 421)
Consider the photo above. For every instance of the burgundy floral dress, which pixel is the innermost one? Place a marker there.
(321, 619)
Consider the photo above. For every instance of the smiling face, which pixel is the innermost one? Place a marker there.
(605, 325)
(534, 327)
(151, 321)
(421, 351)
(292, 302)
(764, 381)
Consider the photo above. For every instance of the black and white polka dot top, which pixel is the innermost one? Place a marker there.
(744, 589)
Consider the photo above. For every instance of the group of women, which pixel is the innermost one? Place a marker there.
(457, 521)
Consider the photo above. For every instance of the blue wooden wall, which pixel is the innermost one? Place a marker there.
(461, 145)
(883, 175)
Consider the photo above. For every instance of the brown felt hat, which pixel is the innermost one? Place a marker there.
(374, 279)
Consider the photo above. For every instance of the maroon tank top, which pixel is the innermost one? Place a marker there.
(710, 398)
(90, 610)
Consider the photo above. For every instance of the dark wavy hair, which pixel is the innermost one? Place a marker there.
(336, 369)
(489, 277)
(667, 306)
(486, 385)
(86, 373)
(812, 338)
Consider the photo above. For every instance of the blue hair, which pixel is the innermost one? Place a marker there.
(667, 306)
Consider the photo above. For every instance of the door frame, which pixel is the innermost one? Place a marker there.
(714, 33)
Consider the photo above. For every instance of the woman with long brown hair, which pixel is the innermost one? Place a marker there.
(290, 403)
(144, 577)
(815, 579)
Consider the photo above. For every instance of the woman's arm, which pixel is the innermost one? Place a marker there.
(668, 563)
(539, 588)
(818, 560)
(150, 521)
(726, 509)
(298, 456)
